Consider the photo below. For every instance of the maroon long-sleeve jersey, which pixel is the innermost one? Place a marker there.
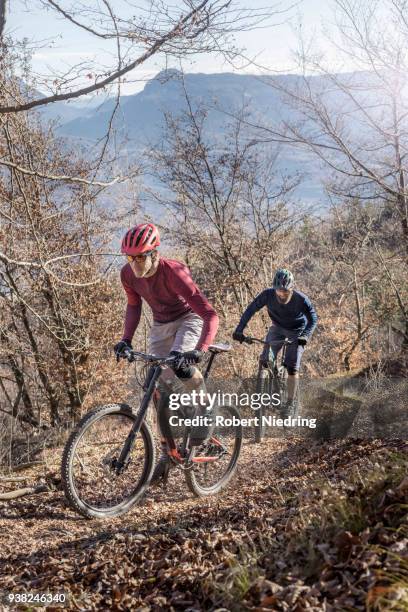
(170, 293)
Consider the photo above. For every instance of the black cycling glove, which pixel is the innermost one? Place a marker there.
(191, 357)
(238, 336)
(120, 346)
(302, 340)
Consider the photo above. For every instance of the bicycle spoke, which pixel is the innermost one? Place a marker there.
(212, 460)
(94, 474)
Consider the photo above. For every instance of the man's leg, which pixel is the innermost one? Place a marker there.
(276, 337)
(293, 385)
(162, 337)
(293, 359)
(186, 339)
(195, 382)
(172, 338)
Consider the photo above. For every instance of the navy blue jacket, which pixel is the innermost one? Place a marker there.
(298, 315)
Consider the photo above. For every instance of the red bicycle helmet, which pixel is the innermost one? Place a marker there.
(141, 238)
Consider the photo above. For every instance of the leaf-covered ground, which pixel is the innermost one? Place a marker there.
(303, 526)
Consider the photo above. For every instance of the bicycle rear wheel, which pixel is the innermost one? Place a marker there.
(215, 460)
(90, 481)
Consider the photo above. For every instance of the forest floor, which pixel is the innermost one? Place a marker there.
(303, 526)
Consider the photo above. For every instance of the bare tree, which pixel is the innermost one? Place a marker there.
(356, 123)
(52, 285)
(158, 28)
(130, 36)
(229, 209)
(352, 289)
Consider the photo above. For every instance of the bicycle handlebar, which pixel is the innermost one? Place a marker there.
(250, 340)
(131, 355)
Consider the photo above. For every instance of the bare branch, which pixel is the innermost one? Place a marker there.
(118, 92)
(56, 177)
(32, 264)
(174, 33)
(22, 492)
(78, 23)
(393, 284)
(3, 6)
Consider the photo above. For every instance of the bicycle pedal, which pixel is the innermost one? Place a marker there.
(162, 481)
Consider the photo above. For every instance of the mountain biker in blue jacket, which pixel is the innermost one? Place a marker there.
(293, 316)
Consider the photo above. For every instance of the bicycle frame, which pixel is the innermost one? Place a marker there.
(121, 462)
(276, 370)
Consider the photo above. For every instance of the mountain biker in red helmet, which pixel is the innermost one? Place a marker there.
(293, 316)
(184, 322)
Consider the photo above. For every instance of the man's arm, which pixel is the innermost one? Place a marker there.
(185, 287)
(311, 318)
(259, 302)
(133, 308)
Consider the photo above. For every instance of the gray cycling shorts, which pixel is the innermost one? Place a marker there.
(180, 335)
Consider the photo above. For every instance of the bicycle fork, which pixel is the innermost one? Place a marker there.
(130, 440)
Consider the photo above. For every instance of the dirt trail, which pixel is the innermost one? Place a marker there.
(170, 551)
(33, 523)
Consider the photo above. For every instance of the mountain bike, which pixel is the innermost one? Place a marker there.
(271, 378)
(109, 458)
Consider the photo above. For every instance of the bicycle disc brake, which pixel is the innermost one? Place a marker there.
(110, 463)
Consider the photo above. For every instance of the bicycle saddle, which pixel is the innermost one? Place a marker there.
(221, 347)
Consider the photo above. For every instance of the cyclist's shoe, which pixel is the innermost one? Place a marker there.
(161, 471)
(201, 433)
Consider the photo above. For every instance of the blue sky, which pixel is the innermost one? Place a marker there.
(63, 44)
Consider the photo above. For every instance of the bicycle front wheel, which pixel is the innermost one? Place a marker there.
(263, 385)
(215, 460)
(280, 387)
(91, 482)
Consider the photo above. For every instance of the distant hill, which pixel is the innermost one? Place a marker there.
(140, 118)
(141, 115)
